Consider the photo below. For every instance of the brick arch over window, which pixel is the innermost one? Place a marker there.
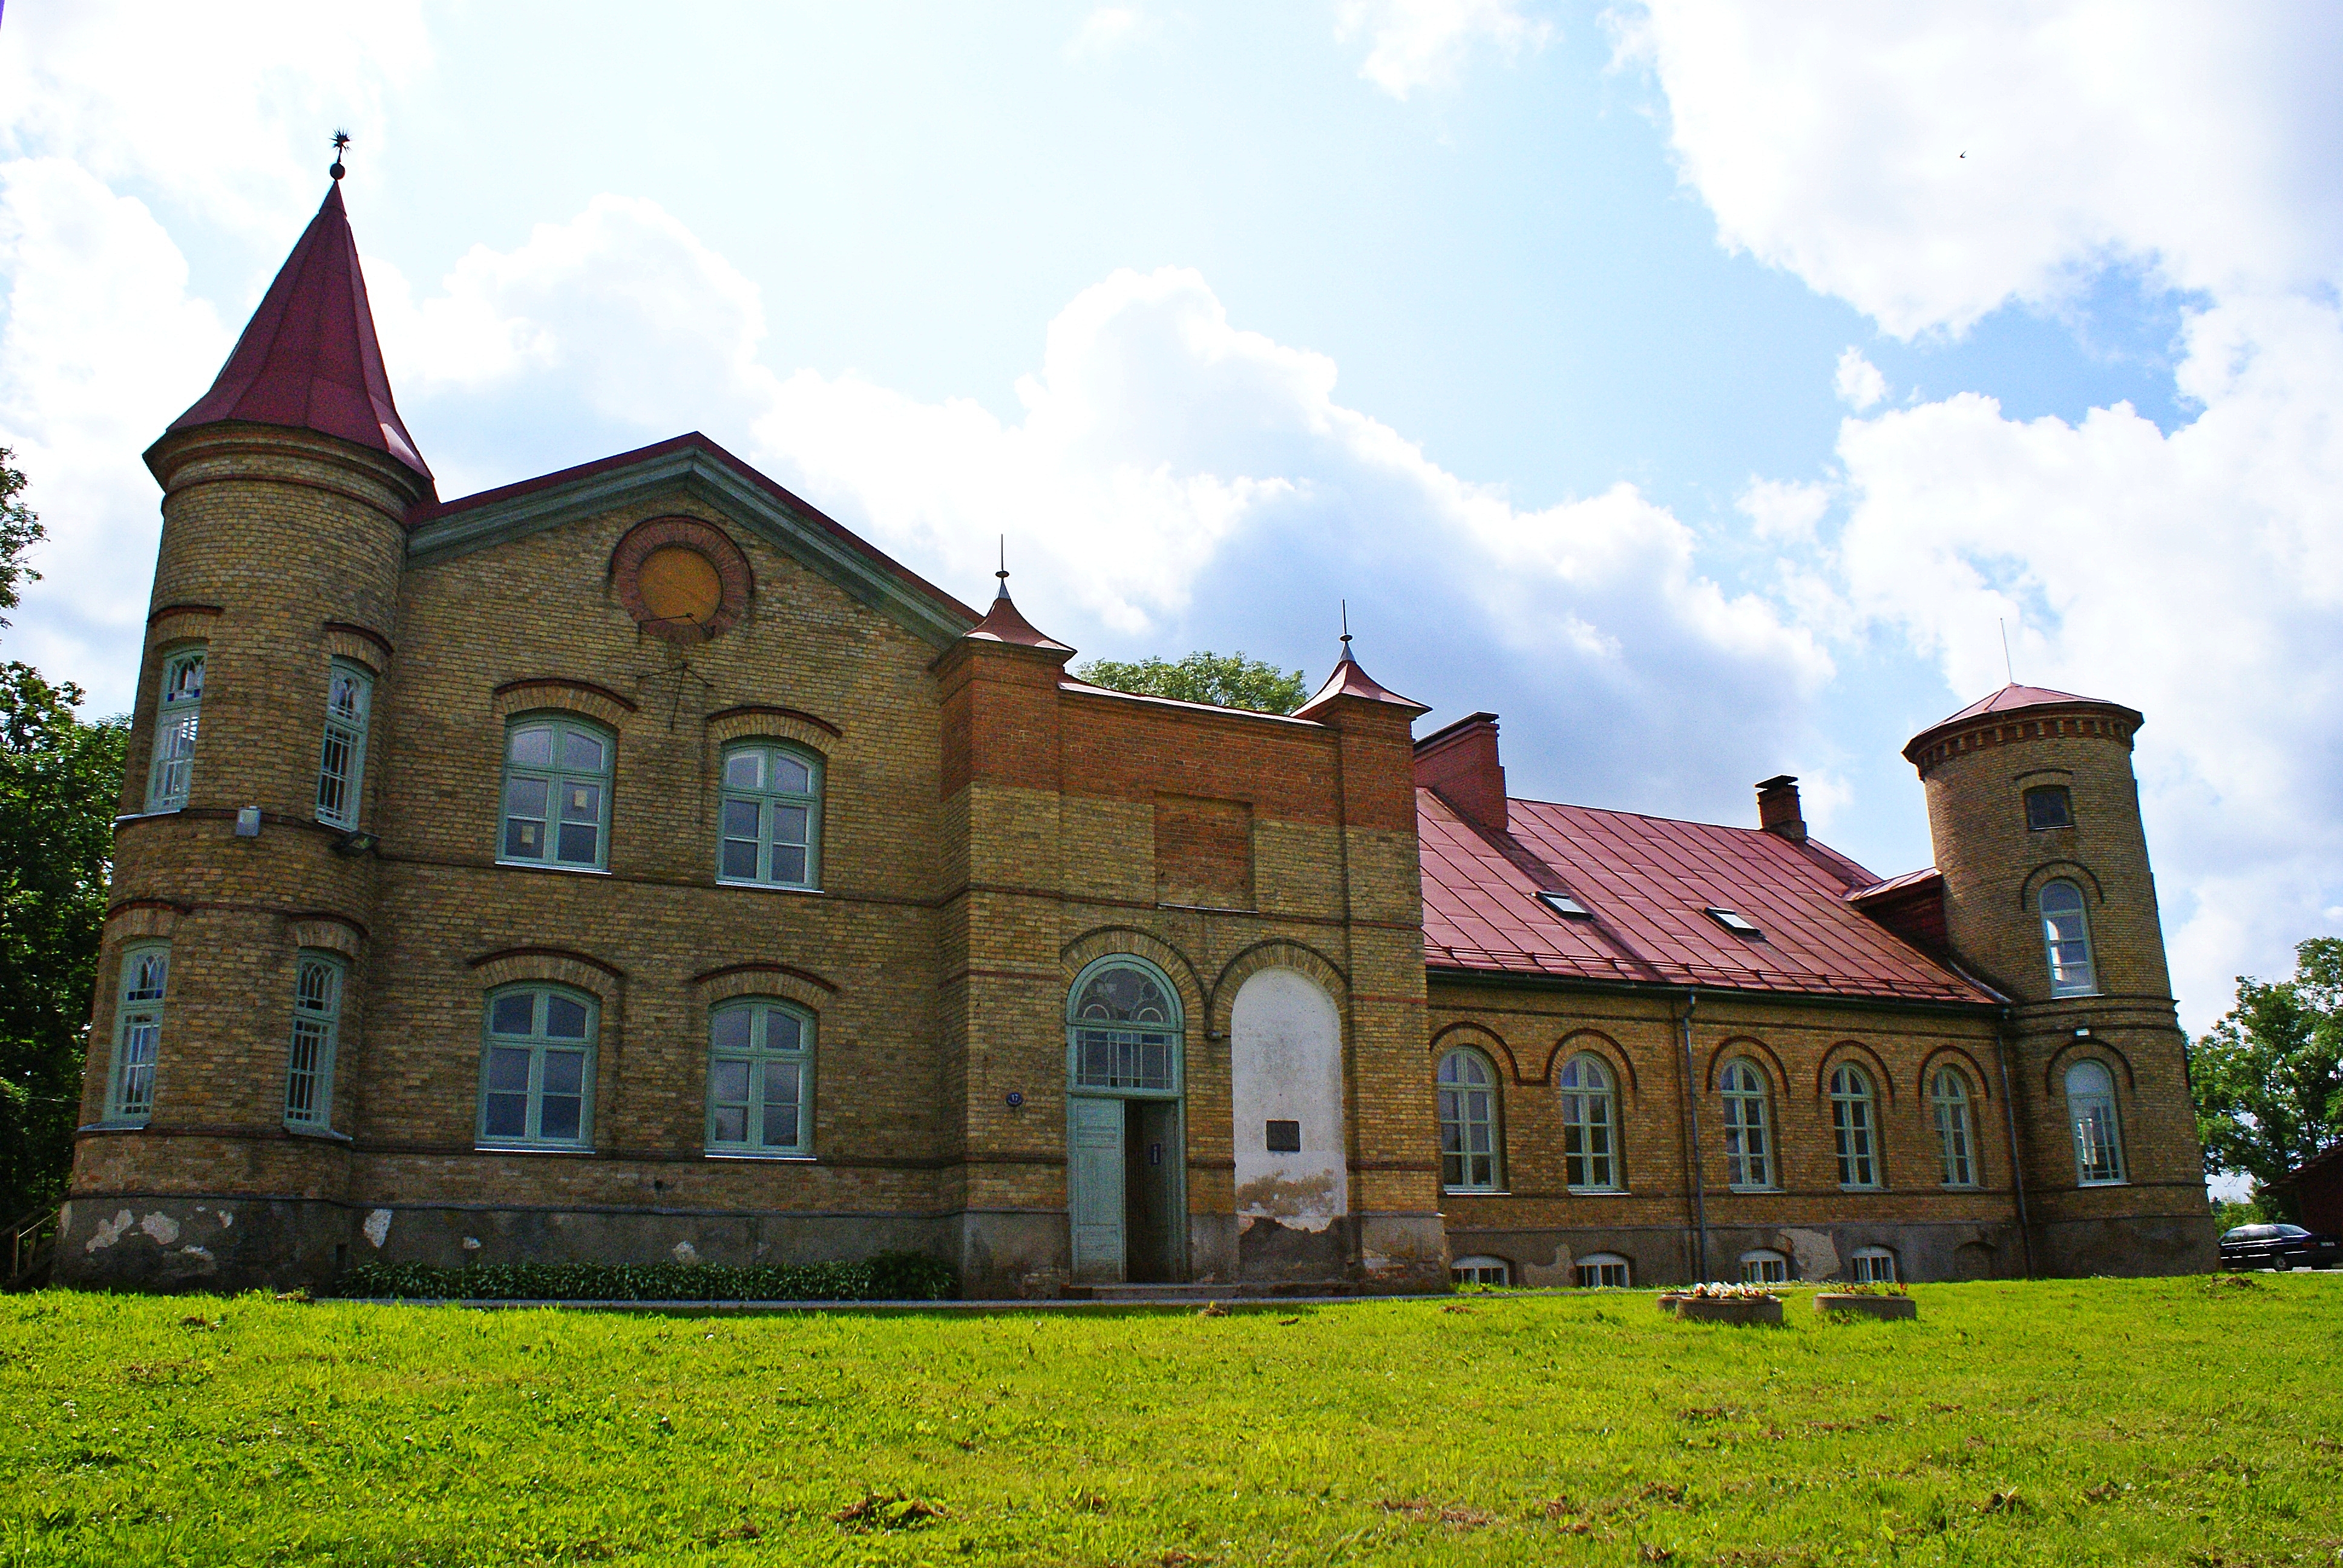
(1873, 1062)
(1482, 1038)
(1276, 953)
(135, 918)
(332, 933)
(2050, 871)
(758, 722)
(803, 987)
(560, 966)
(1756, 1050)
(559, 694)
(2054, 1076)
(1595, 1042)
(1131, 942)
(1971, 1068)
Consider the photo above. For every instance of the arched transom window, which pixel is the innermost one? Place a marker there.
(1123, 1027)
(772, 816)
(2098, 1139)
(1948, 1097)
(1854, 1123)
(1468, 1123)
(1748, 1146)
(2067, 939)
(1589, 1125)
(557, 808)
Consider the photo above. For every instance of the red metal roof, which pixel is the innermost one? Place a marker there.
(2010, 698)
(1647, 883)
(308, 357)
(1350, 681)
(1004, 622)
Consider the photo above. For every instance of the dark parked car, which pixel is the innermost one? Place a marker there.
(2280, 1247)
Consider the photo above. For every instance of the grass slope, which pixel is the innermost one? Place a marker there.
(2148, 1421)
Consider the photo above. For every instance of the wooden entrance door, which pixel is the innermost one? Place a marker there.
(1094, 1167)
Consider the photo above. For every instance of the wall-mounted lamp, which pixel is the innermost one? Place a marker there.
(356, 841)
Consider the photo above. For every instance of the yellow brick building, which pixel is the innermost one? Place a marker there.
(632, 864)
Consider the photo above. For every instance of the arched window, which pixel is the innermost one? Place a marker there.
(1853, 1125)
(1480, 1270)
(1604, 1271)
(316, 1024)
(536, 1069)
(1764, 1266)
(760, 1078)
(341, 759)
(176, 711)
(2066, 938)
(557, 808)
(771, 829)
(137, 1034)
(1872, 1266)
(2098, 1139)
(1122, 1028)
(1589, 1125)
(1468, 1123)
(1949, 1097)
(1748, 1151)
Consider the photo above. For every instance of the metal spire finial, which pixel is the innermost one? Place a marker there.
(1346, 628)
(1003, 573)
(341, 140)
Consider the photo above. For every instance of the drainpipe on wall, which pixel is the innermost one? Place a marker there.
(2016, 1165)
(1692, 1122)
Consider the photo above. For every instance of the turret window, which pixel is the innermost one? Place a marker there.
(1748, 1148)
(316, 1024)
(772, 830)
(536, 1069)
(138, 1035)
(2098, 1139)
(172, 769)
(1468, 1123)
(350, 696)
(1853, 1126)
(1949, 1097)
(2049, 806)
(2067, 939)
(557, 801)
(760, 1079)
(1589, 1123)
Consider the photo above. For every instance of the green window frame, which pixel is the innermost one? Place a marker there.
(317, 980)
(556, 806)
(1590, 1126)
(1748, 1127)
(137, 1033)
(2067, 939)
(1854, 1128)
(760, 1062)
(1471, 1152)
(1123, 1031)
(341, 756)
(536, 1068)
(1948, 1097)
(769, 816)
(178, 710)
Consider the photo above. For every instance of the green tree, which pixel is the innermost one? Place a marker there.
(1224, 681)
(2269, 1078)
(20, 529)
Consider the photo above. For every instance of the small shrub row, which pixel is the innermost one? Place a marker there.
(888, 1277)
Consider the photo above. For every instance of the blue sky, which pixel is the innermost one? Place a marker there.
(1662, 377)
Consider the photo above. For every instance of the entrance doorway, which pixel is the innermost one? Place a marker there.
(1126, 1148)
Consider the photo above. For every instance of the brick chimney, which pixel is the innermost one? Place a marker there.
(1461, 762)
(1777, 807)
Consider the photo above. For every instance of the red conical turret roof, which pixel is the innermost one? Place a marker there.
(1004, 622)
(1349, 680)
(308, 357)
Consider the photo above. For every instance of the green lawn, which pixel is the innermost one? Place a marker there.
(2180, 1420)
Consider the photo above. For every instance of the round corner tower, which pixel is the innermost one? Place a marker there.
(232, 968)
(2049, 898)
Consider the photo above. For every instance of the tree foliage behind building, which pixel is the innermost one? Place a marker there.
(2269, 1078)
(1223, 680)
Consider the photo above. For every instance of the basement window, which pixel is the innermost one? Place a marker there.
(1738, 924)
(1564, 904)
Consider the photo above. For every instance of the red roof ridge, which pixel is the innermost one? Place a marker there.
(309, 359)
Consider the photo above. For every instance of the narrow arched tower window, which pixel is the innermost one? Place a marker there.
(1949, 1097)
(172, 771)
(1468, 1123)
(137, 1034)
(2067, 939)
(1589, 1125)
(1748, 1148)
(341, 760)
(1853, 1126)
(2098, 1138)
(317, 1025)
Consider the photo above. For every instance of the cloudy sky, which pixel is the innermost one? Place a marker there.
(1702, 386)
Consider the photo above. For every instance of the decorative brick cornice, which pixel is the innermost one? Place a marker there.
(2081, 719)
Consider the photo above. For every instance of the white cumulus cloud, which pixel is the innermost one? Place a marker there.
(1413, 44)
(1860, 384)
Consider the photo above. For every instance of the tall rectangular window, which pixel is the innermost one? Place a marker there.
(537, 1070)
(349, 693)
(173, 767)
(137, 1034)
(760, 1079)
(316, 1024)
(557, 801)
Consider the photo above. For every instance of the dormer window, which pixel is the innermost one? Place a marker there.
(1565, 905)
(2049, 806)
(1740, 925)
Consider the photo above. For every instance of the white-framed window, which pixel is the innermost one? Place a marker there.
(137, 1033)
(2098, 1138)
(771, 833)
(557, 793)
(1764, 1266)
(1469, 1140)
(1479, 1270)
(2067, 939)
(316, 1028)
(1604, 1271)
(1748, 1147)
(760, 1078)
(1123, 1030)
(1872, 1266)
(1589, 1125)
(1948, 1097)
(176, 712)
(341, 758)
(536, 1069)
(1855, 1127)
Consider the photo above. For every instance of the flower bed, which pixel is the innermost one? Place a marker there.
(1717, 1302)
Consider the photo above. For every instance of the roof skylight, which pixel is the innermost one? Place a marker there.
(1739, 924)
(1564, 904)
